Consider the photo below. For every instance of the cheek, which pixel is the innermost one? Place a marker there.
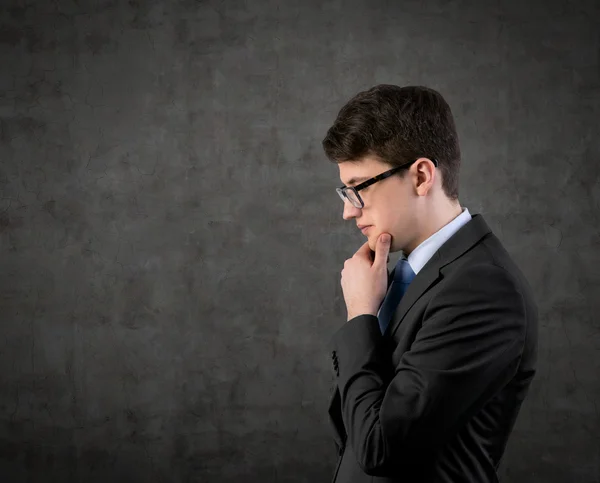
(391, 222)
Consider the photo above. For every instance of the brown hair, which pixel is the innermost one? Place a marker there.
(397, 125)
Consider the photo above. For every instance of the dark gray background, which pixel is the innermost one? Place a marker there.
(171, 241)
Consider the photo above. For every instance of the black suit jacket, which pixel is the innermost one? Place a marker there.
(435, 398)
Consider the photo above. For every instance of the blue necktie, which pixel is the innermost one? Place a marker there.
(403, 275)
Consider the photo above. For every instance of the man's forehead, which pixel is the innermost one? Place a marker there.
(353, 172)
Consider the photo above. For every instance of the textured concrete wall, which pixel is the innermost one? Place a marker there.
(171, 241)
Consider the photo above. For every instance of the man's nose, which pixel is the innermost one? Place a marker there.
(350, 211)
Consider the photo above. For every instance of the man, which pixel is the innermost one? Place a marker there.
(429, 383)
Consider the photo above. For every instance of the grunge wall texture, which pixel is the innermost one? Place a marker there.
(171, 242)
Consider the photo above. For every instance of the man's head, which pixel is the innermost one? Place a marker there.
(389, 126)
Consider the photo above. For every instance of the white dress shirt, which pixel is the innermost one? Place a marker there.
(421, 255)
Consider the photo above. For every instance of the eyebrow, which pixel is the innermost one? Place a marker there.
(356, 179)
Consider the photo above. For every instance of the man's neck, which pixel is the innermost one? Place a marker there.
(436, 221)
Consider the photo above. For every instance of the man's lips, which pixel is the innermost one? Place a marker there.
(364, 228)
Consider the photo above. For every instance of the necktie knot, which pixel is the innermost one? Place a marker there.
(404, 273)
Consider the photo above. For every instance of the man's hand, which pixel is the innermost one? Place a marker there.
(364, 281)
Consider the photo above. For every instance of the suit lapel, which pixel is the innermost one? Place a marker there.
(463, 240)
(426, 277)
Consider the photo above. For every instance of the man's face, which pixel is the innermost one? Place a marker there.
(388, 203)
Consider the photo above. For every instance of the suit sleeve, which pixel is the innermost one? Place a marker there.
(468, 347)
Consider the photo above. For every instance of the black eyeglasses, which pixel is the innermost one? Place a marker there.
(351, 192)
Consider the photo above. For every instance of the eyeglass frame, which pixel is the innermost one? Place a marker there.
(342, 189)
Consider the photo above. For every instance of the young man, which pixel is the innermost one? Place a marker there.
(436, 357)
